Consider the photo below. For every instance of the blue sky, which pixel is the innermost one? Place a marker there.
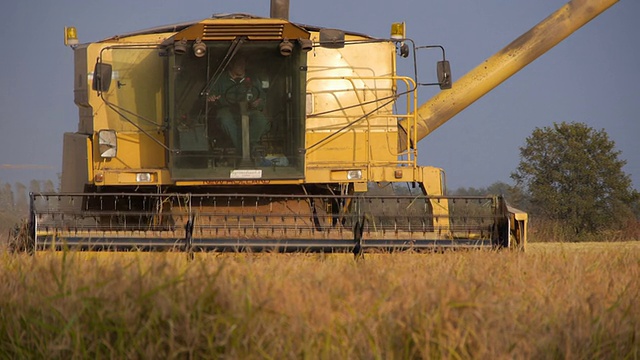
(591, 77)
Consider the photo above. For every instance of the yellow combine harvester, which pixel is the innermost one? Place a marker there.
(246, 133)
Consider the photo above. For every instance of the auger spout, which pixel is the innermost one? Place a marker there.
(506, 62)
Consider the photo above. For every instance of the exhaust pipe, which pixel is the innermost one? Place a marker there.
(280, 9)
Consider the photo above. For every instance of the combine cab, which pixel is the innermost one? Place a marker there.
(244, 133)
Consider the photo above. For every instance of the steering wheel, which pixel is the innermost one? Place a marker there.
(240, 92)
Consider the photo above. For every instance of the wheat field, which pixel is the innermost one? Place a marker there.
(570, 301)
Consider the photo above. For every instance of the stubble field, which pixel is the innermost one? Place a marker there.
(572, 301)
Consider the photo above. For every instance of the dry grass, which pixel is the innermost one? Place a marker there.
(572, 301)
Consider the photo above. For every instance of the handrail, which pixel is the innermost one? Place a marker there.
(352, 120)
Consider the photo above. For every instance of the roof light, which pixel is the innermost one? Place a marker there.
(398, 31)
(70, 36)
(286, 47)
(180, 47)
(305, 44)
(199, 48)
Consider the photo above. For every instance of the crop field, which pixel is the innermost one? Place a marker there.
(573, 301)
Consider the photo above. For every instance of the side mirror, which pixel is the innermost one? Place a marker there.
(444, 74)
(404, 50)
(332, 38)
(101, 77)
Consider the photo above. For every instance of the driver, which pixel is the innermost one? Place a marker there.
(232, 88)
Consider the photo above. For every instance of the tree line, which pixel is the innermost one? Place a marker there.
(14, 200)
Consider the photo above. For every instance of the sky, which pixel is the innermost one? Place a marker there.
(591, 77)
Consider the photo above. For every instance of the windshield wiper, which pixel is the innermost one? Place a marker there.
(231, 52)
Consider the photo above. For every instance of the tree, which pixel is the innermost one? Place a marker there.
(49, 187)
(571, 173)
(22, 203)
(34, 186)
(7, 201)
(512, 194)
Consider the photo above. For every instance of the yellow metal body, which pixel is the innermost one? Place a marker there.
(350, 121)
(137, 152)
(518, 228)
